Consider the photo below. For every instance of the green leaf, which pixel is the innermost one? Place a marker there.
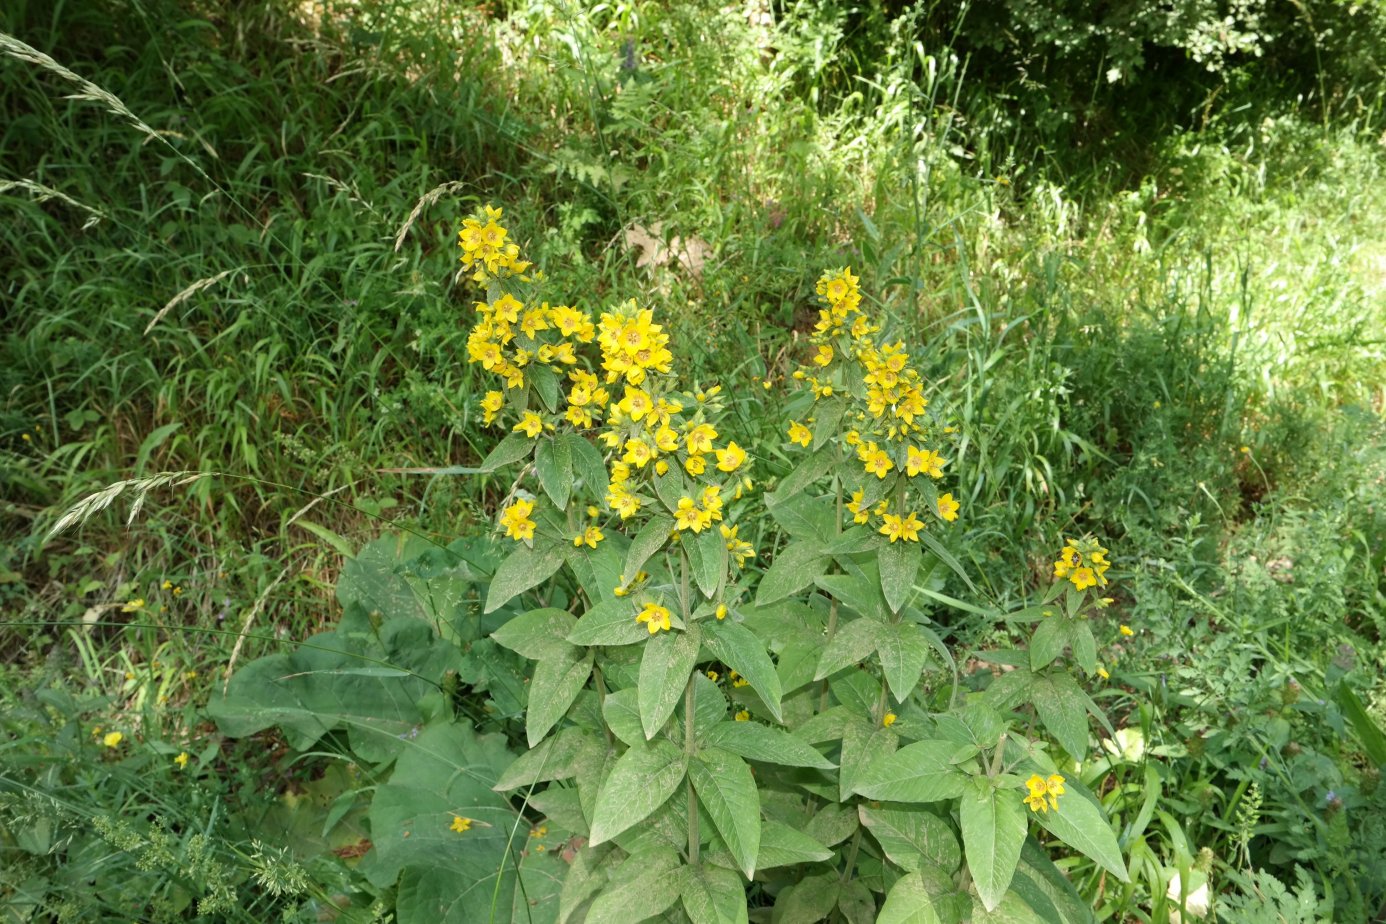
(946, 557)
(713, 895)
(993, 831)
(707, 556)
(1048, 641)
(738, 648)
(833, 824)
(611, 622)
(852, 643)
(827, 415)
(864, 744)
(523, 569)
(553, 460)
(811, 899)
(804, 516)
(856, 903)
(1373, 741)
(1084, 646)
(537, 633)
(794, 568)
(728, 792)
(552, 759)
(649, 894)
(765, 744)
(908, 902)
(152, 442)
(781, 845)
(670, 487)
(920, 772)
(911, 835)
(1049, 879)
(621, 710)
(545, 384)
(641, 781)
(805, 474)
(664, 670)
(512, 449)
(588, 464)
(558, 679)
(652, 537)
(1063, 708)
(903, 652)
(899, 562)
(1080, 824)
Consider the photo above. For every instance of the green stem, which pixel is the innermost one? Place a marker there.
(851, 855)
(688, 748)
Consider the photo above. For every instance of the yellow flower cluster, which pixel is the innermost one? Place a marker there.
(885, 411)
(486, 252)
(1083, 562)
(1044, 792)
(509, 336)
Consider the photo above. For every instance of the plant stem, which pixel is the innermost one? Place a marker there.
(693, 836)
(851, 856)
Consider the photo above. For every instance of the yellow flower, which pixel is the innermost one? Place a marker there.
(491, 404)
(655, 617)
(695, 465)
(516, 521)
(531, 425)
(166, 585)
(721, 611)
(133, 605)
(798, 433)
(876, 461)
(1102, 672)
(824, 355)
(699, 439)
(589, 537)
(1083, 578)
(688, 516)
(712, 675)
(897, 527)
(1126, 631)
(948, 508)
(737, 680)
(181, 760)
(923, 460)
(460, 824)
(112, 739)
(888, 719)
(743, 716)
(860, 513)
(730, 459)
(1039, 788)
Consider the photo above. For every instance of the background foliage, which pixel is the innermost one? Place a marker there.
(1136, 248)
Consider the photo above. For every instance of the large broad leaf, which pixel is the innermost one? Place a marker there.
(993, 831)
(781, 845)
(553, 461)
(912, 836)
(728, 793)
(903, 651)
(536, 634)
(864, 745)
(513, 448)
(653, 889)
(738, 648)
(611, 622)
(406, 575)
(558, 679)
(713, 895)
(368, 683)
(803, 516)
(763, 743)
(707, 555)
(794, 568)
(908, 903)
(1063, 708)
(640, 782)
(652, 537)
(1080, 824)
(446, 876)
(553, 759)
(899, 564)
(664, 670)
(811, 899)
(852, 643)
(587, 464)
(523, 569)
(1043, 876)
(921, 772)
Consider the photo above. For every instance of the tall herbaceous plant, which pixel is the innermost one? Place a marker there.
(716, 736)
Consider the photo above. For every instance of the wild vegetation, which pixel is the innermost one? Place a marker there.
(773, 461)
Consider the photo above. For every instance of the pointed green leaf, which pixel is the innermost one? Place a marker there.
(911, 835)
(781, 845)
(864, 745)
(523, 569)
(664, 669)
(641, 781)
(707, 556)
(903, 651)
(807, 472)
(921, 772)
(558, 679)
(852, 643)
(827, 415)
(1049, 640)
(993, 831)
(652, 537)
(611, 622)
(763, 743)
(713, 895)
(537, 633)
(728, 793)
(855, 903)
(738, 648)
(946, 557)
(649, 894)
(512, 449)
(811, 899)
(554, 462)
(552, 759)
(587, 464)
(621, 711)
(1373, 740)
(1080, 824)
(908, 903)
(545, 383)
(794, 568)
(899, 565)
(1063, 708)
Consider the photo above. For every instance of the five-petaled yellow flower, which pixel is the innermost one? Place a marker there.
(888, 719)
(461, 824)
(655, 617)
(1126, 631)
(798, 433)
(182, 760)
(730, 459)
(516, 521)
(531, 425)
(112, 739)
(897, 527)
(1044, 792)
(948, 508)
(588, 537)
